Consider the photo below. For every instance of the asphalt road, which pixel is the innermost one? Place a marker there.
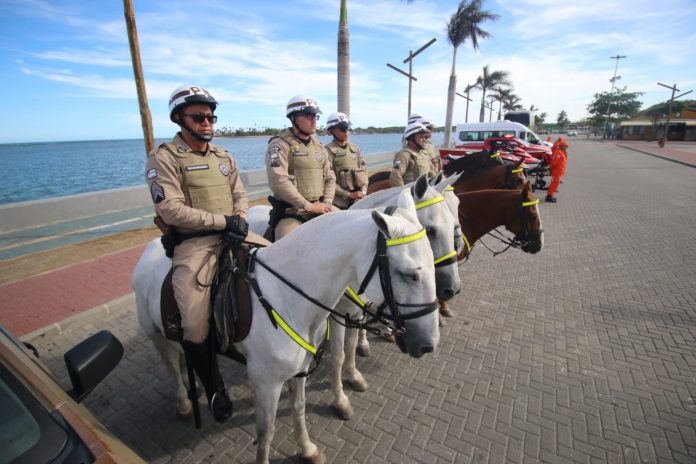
(583, 353)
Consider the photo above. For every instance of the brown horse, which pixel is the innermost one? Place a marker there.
(498, 176)
(482, 211)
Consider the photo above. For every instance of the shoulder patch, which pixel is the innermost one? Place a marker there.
(273, 152)
(224, 169)
(397, 164)
(157, 192)
(151, 173)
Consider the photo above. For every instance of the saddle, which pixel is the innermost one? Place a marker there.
(231, 314)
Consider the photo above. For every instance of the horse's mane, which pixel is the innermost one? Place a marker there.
(473, 162)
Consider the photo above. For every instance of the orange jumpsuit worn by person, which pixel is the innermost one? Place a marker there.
(557, 166)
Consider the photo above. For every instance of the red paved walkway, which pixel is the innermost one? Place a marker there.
(40, 301)
(33, 303)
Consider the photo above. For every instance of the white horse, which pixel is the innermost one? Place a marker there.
(276, 355)
(436, 209)
(435, 214)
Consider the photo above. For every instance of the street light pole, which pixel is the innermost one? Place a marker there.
(673, 88)
(409, 60)
(611, 93)
(466, 97)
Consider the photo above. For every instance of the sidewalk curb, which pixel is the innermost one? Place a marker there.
(122, 304)
(685, 163)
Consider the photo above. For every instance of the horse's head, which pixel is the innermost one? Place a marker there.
(527, 226)
(407, 278)
(435, 215)
(445, 185)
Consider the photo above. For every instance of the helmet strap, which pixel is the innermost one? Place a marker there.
(412, 140)
(292, 118)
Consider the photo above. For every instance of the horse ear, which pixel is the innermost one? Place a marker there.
(436, 179)
(405, 200)
(382, 221)
(421, 186)
(447, 181)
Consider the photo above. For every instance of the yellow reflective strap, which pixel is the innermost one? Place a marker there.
(354, 296)
(406, 239)
(495, 155)
(447, 256)
(530, 203)
(432, 201)
(294, 335)
(449, 188)
(515, 171)
(468, 246)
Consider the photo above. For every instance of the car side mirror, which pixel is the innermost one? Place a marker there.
(90, 361)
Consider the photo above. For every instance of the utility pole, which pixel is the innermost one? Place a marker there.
(674, 89)
(611, 93)
(145, 117)
(409, 60)
(466, 97)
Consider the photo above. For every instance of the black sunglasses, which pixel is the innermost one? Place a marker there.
(343, 127)
(199, 118)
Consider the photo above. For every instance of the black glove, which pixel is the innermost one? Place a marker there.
(236, 230)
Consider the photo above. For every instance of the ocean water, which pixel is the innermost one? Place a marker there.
(34, 171)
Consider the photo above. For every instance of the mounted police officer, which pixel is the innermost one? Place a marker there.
(432, 149)
(347, 161)
(197, 192)
(414, 159)
(298, 169)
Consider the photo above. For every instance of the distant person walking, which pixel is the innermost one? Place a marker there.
(347, 161)
(298, 169)
(198, 194)
(557, 165)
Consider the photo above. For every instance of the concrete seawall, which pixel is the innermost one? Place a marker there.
(27, 214)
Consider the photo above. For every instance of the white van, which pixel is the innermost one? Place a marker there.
(475, 133)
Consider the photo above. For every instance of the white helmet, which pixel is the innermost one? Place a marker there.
(338, 119)
(300, 104)
(415, 117)
(186, 95)
(414, 128)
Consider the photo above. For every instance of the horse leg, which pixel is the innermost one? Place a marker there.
(444, 308)
(170, 353)
(355, 378)
(310, 453)
(340, 403)
(363, 344)
(267, 396)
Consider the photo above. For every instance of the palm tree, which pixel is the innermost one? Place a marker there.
(343, 68)
(490, 80)
(464, 24)
(504, 97)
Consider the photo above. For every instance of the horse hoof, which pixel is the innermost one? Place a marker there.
(184, 412)
(441, 321)
(343, 412)
(316, 458)
(358, 385)
(363, 351)
(446, 312)
(390, 338)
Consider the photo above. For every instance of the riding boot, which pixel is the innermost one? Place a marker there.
(550, 199)
(204, 361)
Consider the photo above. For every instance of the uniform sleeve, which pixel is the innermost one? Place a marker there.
(239, 197)
(399, 168)
(163, 178)
(363, 164)
(278, 179)
(329, 180)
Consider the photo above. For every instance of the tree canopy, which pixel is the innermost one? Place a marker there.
(621, 105)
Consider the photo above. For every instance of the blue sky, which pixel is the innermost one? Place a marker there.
(67, 70)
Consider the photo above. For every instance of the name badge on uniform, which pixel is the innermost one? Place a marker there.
(300, 153)
(224, 169)
(197, 167)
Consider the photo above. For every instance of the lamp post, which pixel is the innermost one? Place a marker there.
(466, 97)
(611, 93)
(409, 60)
(673, 88)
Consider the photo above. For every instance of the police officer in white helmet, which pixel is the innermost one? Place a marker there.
(347, 161)
(298, 169)
(413, 159)
(434, 152)
(198, 195)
